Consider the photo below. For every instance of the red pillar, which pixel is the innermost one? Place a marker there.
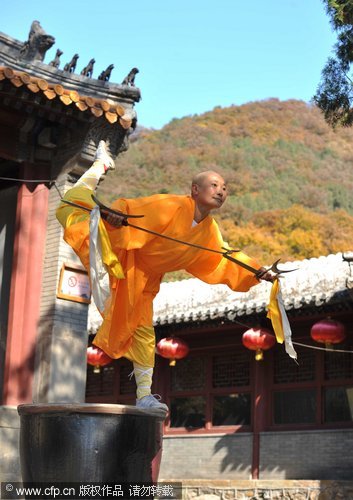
(259, 415)
(26, 284)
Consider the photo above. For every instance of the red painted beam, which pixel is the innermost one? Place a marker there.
(25, 292)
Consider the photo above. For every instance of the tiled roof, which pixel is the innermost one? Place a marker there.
(316, 282)
(55, 91)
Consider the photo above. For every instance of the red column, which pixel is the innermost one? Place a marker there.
(26, 284)
(259, 415)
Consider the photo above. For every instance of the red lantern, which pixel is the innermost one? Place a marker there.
(172, 348)
(97, 358)
(328, 331)
(259, 340)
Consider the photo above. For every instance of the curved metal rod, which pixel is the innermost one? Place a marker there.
(115, 212)
(258, 272)
(275, 269)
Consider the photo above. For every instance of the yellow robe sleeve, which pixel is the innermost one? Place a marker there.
(216, 269)
(158, 215)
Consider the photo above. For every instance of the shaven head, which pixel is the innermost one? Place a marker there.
(202, 177)
(209, 191)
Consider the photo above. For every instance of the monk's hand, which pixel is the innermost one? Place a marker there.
(114, 220)
(266, 275)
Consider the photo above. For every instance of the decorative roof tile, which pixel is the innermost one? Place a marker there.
(98, 107)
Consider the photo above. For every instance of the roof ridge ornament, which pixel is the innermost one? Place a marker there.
(105, 75)
(88, 70)
(38, 43)
(71, 66)
(130, 78)
(56, 61)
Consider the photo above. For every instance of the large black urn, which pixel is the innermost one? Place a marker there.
(89, 443)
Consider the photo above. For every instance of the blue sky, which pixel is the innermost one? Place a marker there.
(192, 55)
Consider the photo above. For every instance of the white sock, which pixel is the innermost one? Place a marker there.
(143, 377)
(92, 176)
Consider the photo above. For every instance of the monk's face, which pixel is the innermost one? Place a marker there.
(210, 192)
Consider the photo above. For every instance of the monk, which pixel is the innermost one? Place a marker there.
(136, 261)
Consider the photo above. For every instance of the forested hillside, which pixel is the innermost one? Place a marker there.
(290, 175)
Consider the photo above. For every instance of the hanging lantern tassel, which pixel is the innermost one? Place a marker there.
(172, 348)
(259, 340)
(97, 358)
(328, 331)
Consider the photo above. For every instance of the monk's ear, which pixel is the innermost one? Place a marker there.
(194, 189)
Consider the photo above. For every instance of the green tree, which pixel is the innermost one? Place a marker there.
(335, 92)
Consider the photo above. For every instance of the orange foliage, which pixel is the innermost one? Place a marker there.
(291, 234)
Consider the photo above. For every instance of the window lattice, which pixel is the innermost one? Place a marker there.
(295, 407)
(102, 383)
(188, 374)
(232, 409)
(338, 404)
(127, 384)
(287, 371)
(188, 412)
(339, 365)
(231, 370)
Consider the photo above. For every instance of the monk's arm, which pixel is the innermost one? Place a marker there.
(217, 269)
(223, 271)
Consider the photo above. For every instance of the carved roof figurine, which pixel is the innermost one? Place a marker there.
(56, 61)
(130, 78)
(105, 75)
(71, 66)
(88, 70)
(38, 43)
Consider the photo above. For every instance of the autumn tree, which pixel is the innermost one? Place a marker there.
(335, 92)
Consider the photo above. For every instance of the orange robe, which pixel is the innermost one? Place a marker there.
(145, 258)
